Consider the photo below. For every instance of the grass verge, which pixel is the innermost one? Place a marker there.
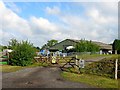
(92, 80)
(85, 56)
(94, 56)
(9, 68)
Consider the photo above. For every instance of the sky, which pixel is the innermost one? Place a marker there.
(39, 22)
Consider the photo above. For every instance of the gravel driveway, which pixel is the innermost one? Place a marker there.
(38, 77)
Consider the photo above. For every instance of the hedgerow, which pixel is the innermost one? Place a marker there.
(105, 67)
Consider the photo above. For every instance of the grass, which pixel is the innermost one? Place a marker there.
(85, 56)
(9, 68)
(92, 80)
(93, 56)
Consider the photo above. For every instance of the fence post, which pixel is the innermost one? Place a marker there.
(116, 68)
(76, 61)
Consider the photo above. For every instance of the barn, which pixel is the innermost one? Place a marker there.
(61, 46)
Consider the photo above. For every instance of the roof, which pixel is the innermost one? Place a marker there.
(101, 44)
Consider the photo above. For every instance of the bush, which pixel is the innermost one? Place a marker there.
(105, 67)
(86, 46)
(23, 54)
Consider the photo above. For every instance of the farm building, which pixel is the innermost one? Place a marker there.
(61, 46)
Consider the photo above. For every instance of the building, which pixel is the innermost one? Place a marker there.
(61, 46)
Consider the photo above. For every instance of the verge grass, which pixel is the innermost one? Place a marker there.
(93, 56)
(92, 80)
(85, 57)
(9, 68)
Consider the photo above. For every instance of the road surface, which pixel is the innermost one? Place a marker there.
(39, 77)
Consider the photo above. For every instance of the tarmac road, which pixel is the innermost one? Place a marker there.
(38, 77)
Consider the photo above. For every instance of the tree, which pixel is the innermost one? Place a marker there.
(23, 53)
(3, 47)
(49, 43)
(86, 46)
(52, 42)
(116, 45)
(44, 46)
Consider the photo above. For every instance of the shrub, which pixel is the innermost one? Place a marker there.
(23, 54)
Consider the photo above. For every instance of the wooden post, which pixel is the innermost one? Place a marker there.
(116, 68)
(76, 61)
(115, 51)
(8, 57)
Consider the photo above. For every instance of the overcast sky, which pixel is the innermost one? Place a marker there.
(39, 22)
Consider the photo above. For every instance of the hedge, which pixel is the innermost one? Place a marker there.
(105, 67)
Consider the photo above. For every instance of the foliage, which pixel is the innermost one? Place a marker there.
(116, 45)
(44, 46)
(2, 48)
(13, 43)
(86, 46)
(23, 53)
(105, 67)
(50, 43)
(37, 48)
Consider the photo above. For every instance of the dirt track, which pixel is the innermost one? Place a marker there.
(39, 77)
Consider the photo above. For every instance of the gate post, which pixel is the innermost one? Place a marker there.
(116, 68)
(77, 64)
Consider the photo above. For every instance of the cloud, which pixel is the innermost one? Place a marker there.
(54, 10)
(43, 25)
(97, 23)
(13, 7)
(14, 26)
